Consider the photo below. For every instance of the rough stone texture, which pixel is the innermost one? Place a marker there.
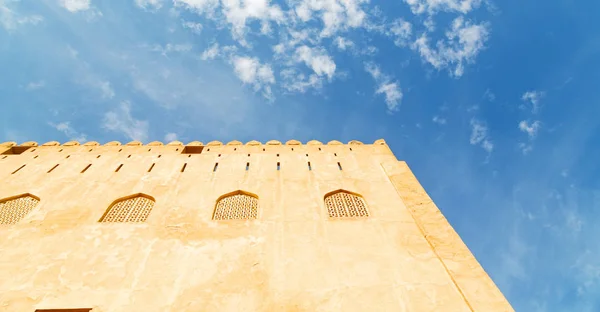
(293, 257)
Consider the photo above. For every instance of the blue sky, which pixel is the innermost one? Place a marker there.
(494, 105)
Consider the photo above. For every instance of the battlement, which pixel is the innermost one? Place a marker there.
(178, 143)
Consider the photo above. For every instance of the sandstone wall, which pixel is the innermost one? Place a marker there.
(293, 257)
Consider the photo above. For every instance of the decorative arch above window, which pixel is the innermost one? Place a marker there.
(133, 208)
(344, 204)
(238, 205)
(15, 208)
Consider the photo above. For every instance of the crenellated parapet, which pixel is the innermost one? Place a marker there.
(193, 143)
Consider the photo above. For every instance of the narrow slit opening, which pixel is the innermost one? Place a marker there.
(339, 166)
(215, 167)
(149, 149)
(18, 169)
(98, 156)
(68, 156)
(91, 149)
(208, 149)
(247, 166)
(183, 167)
(128, 156)
(278, 166)
(52, 168)
(119, 168)
(159, 156)
(219, 155)
(60, 150)
(235, 148)
(34, 157)
(33, 150)
(319, 148)
(335, 154)
(292, 149)
(263, 149)
(190, 155)
(120, 149)
(248, 155)
(86, 168)
(4, 156)
(309, 166)
(277, 155)
(351, 149)
(151, 167)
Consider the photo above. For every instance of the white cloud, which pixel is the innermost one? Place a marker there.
(433, 6)
(525, 148)
(317, 59)
(69, 132)
(534, 98)
(463, 43)
(489, 95)
(168, 48)
(401, 30)
(75, 5)
(479, 135)
(391, 90)
(106, 89)
(34, 85)
(149, 4)
(343, 43)
(530, 129)
(295, 81)
(170, 137)
(194, 27)
(334, 14)
(210, 53)
(9, 19)
(251, 71)
(121, 120)
(439, 120)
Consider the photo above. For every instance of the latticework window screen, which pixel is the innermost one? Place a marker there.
(134, 209)
(237, 206)
(15, 209)
(344, 204)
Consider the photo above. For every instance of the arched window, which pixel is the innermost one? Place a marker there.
(343, 204)
(135, 208)
(238, 205)
(13, 209)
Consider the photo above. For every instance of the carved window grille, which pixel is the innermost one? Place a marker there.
(12, 210)
(132, 209)
(344, 204)
(237, 206)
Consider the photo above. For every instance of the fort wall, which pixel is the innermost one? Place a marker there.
(293, 256)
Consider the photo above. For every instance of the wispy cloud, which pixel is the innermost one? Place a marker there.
(149, 4)
(533, 97)
(35, 85)
(439, 120)
(386, 86)
(464, 41)
(479, 135)
(170, 137)
(10, 19)
(530, 128)
(76, 5)
(251, 71)
(120, 120)
(69, 132)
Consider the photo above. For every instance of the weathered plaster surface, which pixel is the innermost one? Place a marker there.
(293, 257)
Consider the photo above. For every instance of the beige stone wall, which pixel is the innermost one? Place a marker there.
(293, 257)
